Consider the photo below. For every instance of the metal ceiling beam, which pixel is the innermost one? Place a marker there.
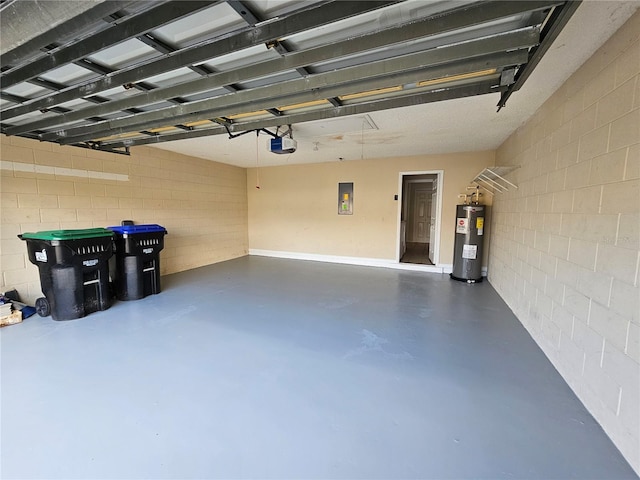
(559, 18)
(165, 48)
(245, 12)
(322, 114)
(405, 32)
(125, 30)
(364, 85)
(300, 20)
(149, 39)
(253, 19)
(345, 81)
(458, 18)
(162, 47)
(155, 43)
(321, 86)
(12, 98)
(20, 16)
(93, 66)
(48, 84)
(146, 38)
(92, 146)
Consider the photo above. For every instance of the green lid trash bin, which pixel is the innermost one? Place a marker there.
(74, 270)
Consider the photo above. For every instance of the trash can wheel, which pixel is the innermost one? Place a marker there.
(42, 307)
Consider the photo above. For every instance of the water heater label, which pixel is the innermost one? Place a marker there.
(462, 226)
(469, 251)
(480, 225)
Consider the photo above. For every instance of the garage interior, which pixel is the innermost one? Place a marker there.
(290, 338)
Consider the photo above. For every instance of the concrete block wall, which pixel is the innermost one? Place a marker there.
(202, 204)
(565, 249)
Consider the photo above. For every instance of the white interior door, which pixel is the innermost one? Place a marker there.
(421, 212)
(432, 227)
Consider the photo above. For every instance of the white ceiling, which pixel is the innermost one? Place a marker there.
(466, 124)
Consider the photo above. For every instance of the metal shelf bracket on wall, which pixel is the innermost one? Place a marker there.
(492, 179)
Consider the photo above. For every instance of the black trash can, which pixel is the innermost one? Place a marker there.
(74, 270)
(137, 260)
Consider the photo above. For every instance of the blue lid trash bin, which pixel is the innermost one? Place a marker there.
(137, 260)
(74, 270)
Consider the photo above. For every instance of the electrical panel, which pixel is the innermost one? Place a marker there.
(345, 198)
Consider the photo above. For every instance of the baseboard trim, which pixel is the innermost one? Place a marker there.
(361, 261)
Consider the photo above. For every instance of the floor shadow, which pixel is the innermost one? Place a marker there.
(416, 253)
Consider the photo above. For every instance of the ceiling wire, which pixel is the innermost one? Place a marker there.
(362, 140)
(257, 166)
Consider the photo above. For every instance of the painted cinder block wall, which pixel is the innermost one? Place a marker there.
(565, 246)
(44, 186)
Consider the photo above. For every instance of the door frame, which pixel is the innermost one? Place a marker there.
(439, 187)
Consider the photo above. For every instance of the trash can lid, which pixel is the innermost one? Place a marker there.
(134, 229)
(67, 234)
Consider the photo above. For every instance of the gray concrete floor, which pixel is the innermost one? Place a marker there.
(270, 368)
